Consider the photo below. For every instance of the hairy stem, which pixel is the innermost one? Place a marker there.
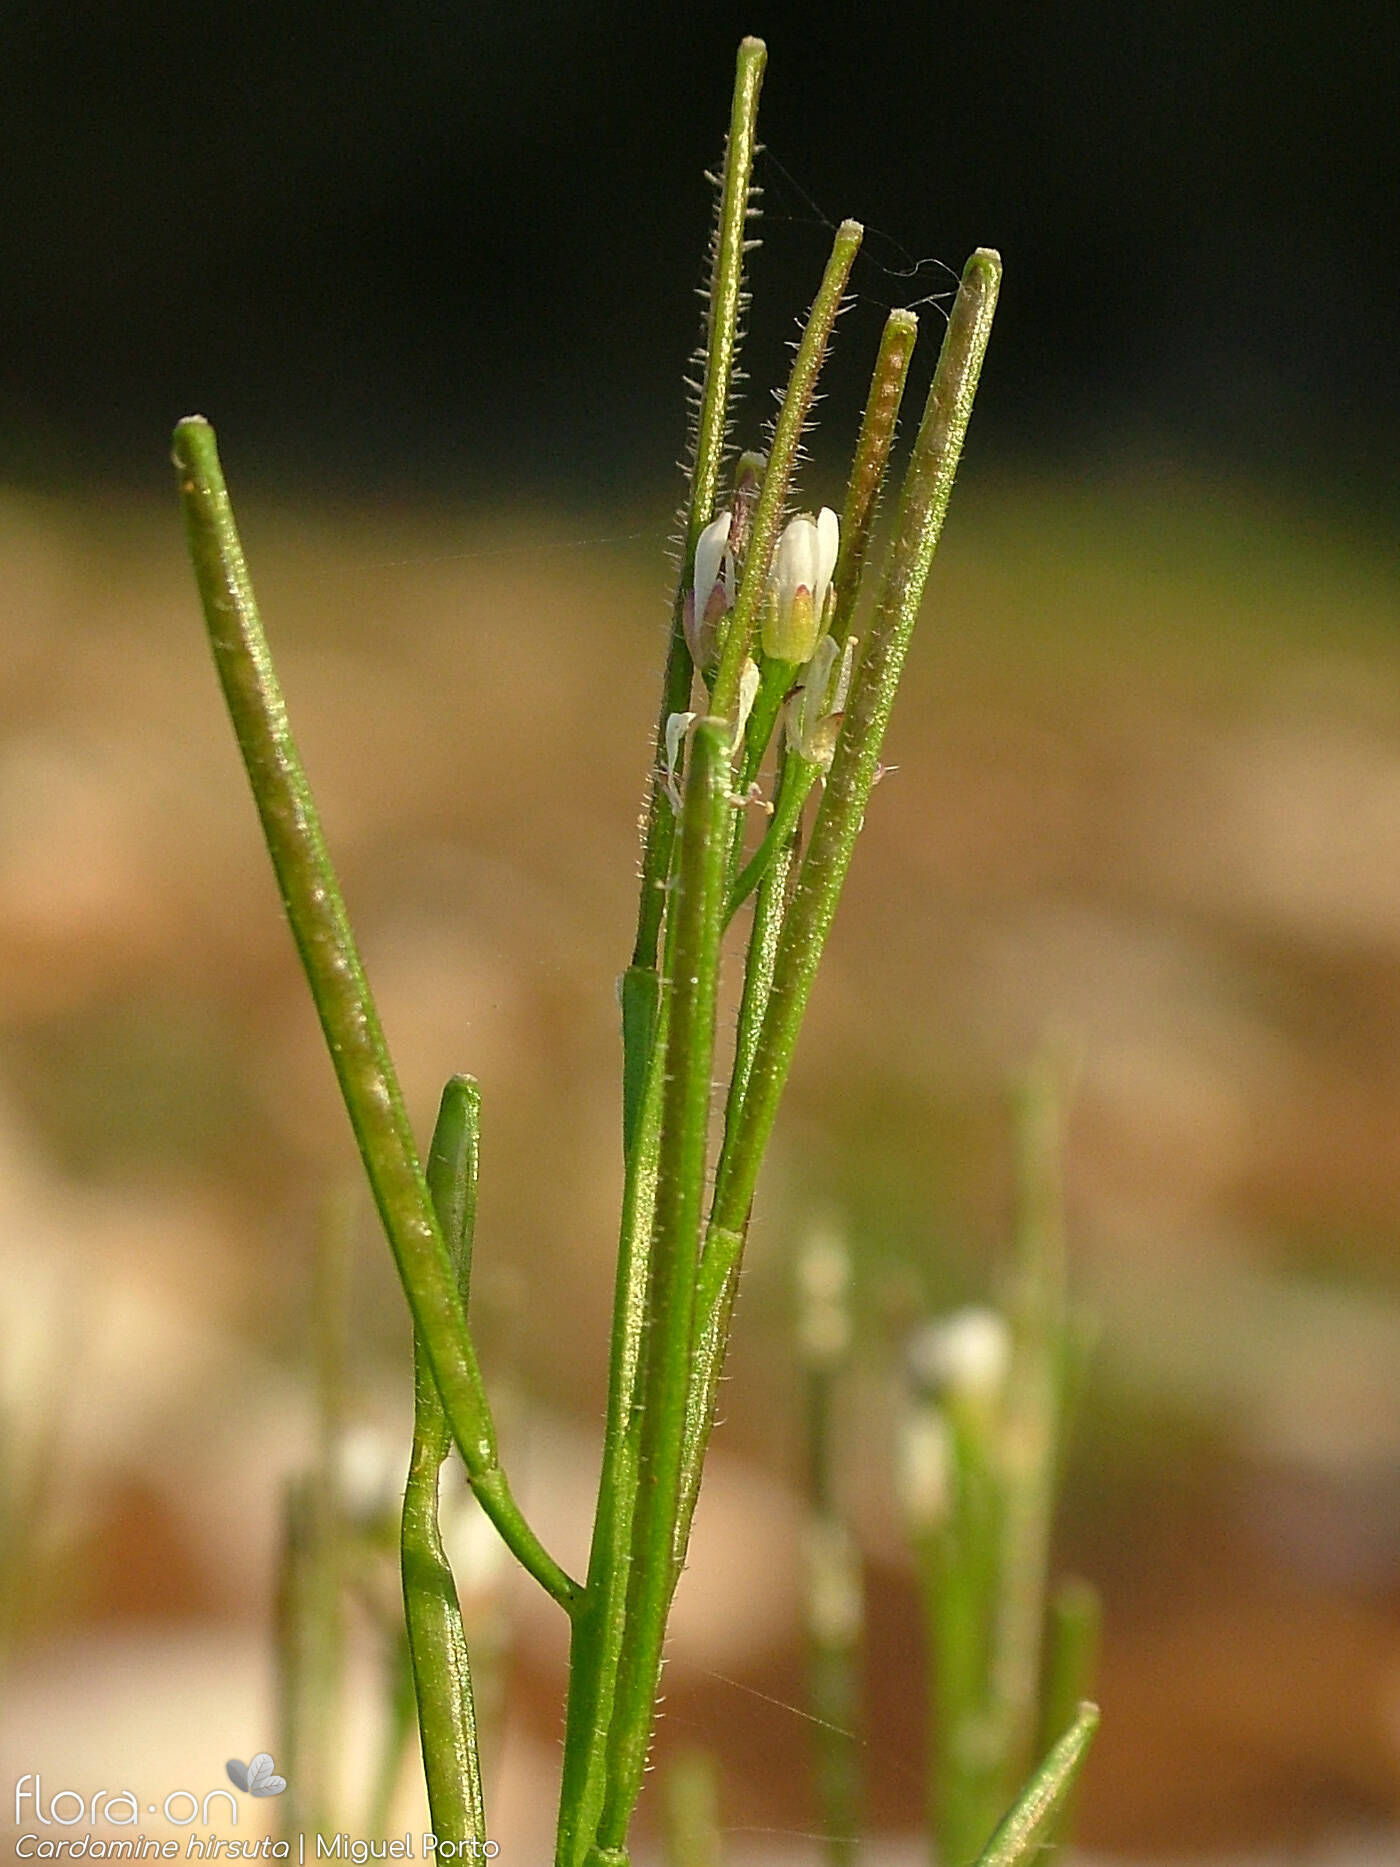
(724, 299)
(680, 1186)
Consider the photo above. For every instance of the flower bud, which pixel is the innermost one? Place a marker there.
(712, 591)
(794, 615)
(965, 1357)
(748, 482)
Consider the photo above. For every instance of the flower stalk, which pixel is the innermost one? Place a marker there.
(763, 608)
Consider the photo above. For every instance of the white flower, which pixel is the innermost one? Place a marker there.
(794, 616)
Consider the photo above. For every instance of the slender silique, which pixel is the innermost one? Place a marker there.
(1033, 1819)
(923, 507)
(321, 929)
(437, 1642)
(872, 458)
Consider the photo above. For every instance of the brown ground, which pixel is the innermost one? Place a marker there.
(1148, 798)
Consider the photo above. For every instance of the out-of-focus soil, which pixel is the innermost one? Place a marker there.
(1147, 800)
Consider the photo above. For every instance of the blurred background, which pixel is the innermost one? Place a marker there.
(430, 272)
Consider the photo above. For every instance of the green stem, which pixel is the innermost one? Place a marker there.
(1032, 1822)
(692, 1811)
(725, 298)
(833, 1674)
(437, 1642)
(799, 775)
(774, 681)
(400, 1716)
(1031, 1427)
(599, 1627)
(680, 1185)
(310, 1670)
(321, 929)
(764, 935)
(782, 459)
(787, 939)
(639, 999)
(312, 1607)
(1071, 1656)
(723, 1250)
(1071, 1661)
(716, 1286)
(834, 1586)
(958, 1564)
(923, 506)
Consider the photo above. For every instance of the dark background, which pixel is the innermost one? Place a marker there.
(388, 245)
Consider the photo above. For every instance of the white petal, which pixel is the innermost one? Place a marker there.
(270, 1786)
(710, 548)
(795, 562)
(828, 549)
(259, 1767)
(677, 726)
(748, 693)
(818, 675)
